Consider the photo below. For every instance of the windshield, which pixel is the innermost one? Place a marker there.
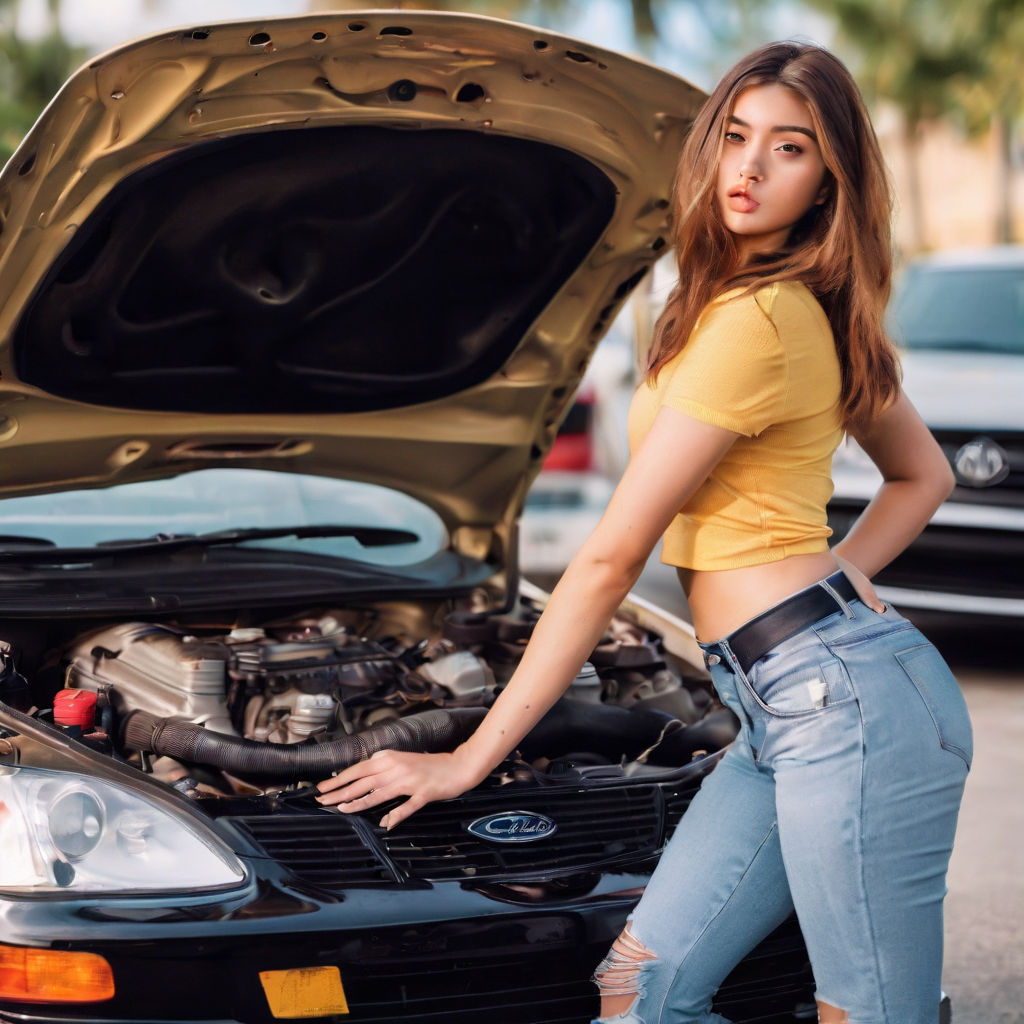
(209, 500)
(976, 309)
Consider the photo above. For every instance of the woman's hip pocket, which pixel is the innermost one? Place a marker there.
(786, 688)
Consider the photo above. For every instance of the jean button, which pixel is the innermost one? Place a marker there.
(713, 659)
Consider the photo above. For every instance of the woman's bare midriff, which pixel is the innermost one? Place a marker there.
(722, 599)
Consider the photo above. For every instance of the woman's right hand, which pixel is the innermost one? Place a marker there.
(393, 773)
(864, 587)
(916, 479)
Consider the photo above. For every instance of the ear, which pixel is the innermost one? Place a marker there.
(824, 192)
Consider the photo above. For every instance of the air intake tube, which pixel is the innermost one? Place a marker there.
(427, 732)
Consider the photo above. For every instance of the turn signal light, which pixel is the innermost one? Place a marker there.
(54, 976)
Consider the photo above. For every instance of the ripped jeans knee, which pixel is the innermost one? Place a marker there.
(633, 988)
(619, 978)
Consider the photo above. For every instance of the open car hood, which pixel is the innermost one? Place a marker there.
(379, 246)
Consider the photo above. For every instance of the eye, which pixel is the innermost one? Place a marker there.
(790, 147)
(733, 136)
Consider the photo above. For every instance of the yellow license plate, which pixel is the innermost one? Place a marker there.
(304, 992)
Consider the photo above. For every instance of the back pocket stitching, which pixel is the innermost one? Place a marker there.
(946, 744)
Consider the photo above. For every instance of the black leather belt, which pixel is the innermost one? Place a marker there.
(754, 639)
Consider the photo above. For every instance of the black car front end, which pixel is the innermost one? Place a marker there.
(338, 920)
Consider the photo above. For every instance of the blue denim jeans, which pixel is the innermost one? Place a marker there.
(838, 799)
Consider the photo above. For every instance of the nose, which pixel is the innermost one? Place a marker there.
(750, 171)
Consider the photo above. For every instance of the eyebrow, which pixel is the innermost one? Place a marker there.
(778, 127)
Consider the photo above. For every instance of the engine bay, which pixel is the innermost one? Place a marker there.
(218, 711)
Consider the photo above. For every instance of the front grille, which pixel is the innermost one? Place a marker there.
(986, 563)
(948, 558)
(511, 986)
(599, 826)
(679, 792)
(509, 969)
(536, 970)
(595, 827)
(326, 849)
(957, 555)
(772, 984)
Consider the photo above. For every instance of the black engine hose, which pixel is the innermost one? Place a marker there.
(573, 726)
(427, 732)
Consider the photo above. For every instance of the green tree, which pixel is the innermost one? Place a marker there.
(906, 52)
(939, 59)
(31, 71)
(994, 98)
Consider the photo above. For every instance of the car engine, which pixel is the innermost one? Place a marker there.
(271, 707)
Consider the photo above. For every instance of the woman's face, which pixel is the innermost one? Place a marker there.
(771, 170)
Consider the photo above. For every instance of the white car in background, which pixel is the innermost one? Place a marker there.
(958, 317)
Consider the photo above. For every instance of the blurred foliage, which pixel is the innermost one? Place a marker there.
(934, 57)
(998, 34)
(31, 72)
(930, 58)
(940, 59)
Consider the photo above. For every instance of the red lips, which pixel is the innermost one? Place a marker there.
(740, 200)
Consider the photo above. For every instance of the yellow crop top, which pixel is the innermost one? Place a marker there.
(763, 365)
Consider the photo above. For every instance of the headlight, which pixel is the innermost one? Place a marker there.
(67, 833)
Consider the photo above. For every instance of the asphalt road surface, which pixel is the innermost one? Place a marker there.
(984, 962)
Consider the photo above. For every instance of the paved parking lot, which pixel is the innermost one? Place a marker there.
(984, 966)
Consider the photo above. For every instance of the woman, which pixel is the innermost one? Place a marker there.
(840, 795)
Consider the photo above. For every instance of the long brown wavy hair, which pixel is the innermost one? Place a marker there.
(841, 249)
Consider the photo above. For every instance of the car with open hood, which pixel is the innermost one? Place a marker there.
(292, 310)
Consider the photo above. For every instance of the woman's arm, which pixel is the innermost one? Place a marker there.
(674, 459)
(916, 480)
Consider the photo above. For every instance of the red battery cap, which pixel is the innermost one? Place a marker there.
(75, 707)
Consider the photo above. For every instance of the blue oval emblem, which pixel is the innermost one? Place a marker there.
(513, 827)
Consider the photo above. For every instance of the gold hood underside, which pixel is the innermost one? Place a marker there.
(471, 454)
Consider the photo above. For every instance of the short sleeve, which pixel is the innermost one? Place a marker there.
(732, 373)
